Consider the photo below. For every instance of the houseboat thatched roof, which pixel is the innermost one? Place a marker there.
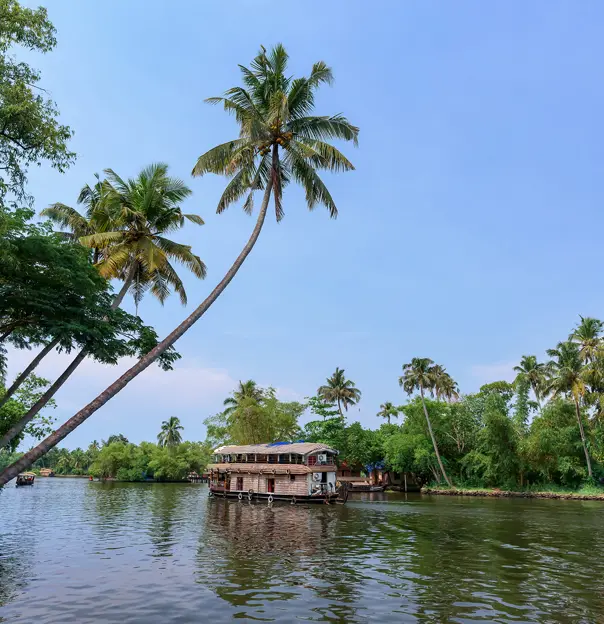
(275, 448)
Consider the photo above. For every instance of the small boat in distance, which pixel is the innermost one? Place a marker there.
(25, 478)
(46, 472)
(295, 472)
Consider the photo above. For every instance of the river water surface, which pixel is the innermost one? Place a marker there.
(74, 551)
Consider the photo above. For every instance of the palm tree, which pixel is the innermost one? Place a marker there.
(535, 373)
(567, 378)
(340, 390)
(387, 410)
(274, 113)
(170, 432)
(132, 217)
(445, 387)
(588, 335)
(246, 390)
(420, 375)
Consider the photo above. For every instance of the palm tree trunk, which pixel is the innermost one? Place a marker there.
(32, 365)
(18, 427)
(440, 461)
(340, 410)
(583, 441)
(6, 334)
(52, 440)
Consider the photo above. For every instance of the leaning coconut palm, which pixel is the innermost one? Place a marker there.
(567, 379)
(170, 432)
(420, 375)
(388, 410)
(246, 390)
(340, 390)
(132, 217)
(535, 373)
(588, 335)
(274, 113)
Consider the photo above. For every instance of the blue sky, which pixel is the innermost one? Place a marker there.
(469, 232)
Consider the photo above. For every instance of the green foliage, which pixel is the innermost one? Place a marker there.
(125, 227)
(279, 139)
(254, 415)
(339, 390)
(170, 435)
(121, 460)
(30, 132)
(49, 290)
(16, 407)
(322, 408)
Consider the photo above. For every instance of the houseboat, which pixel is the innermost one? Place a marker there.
(25, 478)
(46, 472)
(296, 472)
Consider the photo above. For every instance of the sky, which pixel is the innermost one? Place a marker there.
(470, 231)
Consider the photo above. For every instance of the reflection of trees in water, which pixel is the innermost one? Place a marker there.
(164, 504)
(256, 556)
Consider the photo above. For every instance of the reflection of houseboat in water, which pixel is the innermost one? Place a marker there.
(296, 471)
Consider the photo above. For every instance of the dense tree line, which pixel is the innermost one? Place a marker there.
(171, 459)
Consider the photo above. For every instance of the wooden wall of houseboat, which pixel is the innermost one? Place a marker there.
(283, 484)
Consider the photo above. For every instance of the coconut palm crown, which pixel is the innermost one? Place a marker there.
(280, 139)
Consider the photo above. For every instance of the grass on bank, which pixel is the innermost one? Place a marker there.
(586, 489)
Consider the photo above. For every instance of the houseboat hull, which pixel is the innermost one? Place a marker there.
(320, 499)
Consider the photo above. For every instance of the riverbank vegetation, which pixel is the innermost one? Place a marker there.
(171, 459)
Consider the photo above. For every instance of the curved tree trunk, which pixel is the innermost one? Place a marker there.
(440, 461)
(583, 441)
(33, 411)
(30, 368)
(31, 456)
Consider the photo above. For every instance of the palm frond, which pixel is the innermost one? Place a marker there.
(321, 128)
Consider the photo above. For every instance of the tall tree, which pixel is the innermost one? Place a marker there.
(588, 335)
(387, 410)
(445, 387)
(340, 390)
(30, 132)
(567, 379)
(534, 372)
(419, 375)
(170, 432)
(246, 390)
(274, 113)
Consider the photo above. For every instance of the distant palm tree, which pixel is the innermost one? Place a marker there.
(340, 390)
(420, 374)
(246, 390)
(387, 410)
(567, 379)
(588, 335)
(444, 385)
(170, 432)
(535, 373)
(280, 141)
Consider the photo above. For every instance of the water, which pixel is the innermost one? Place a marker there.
(74, 551)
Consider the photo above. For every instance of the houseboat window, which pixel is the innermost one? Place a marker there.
(272, 459)
(284, 459)
(292, 477)
(323, 477)
(270, 486)
(239, 483)
(312, 460)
